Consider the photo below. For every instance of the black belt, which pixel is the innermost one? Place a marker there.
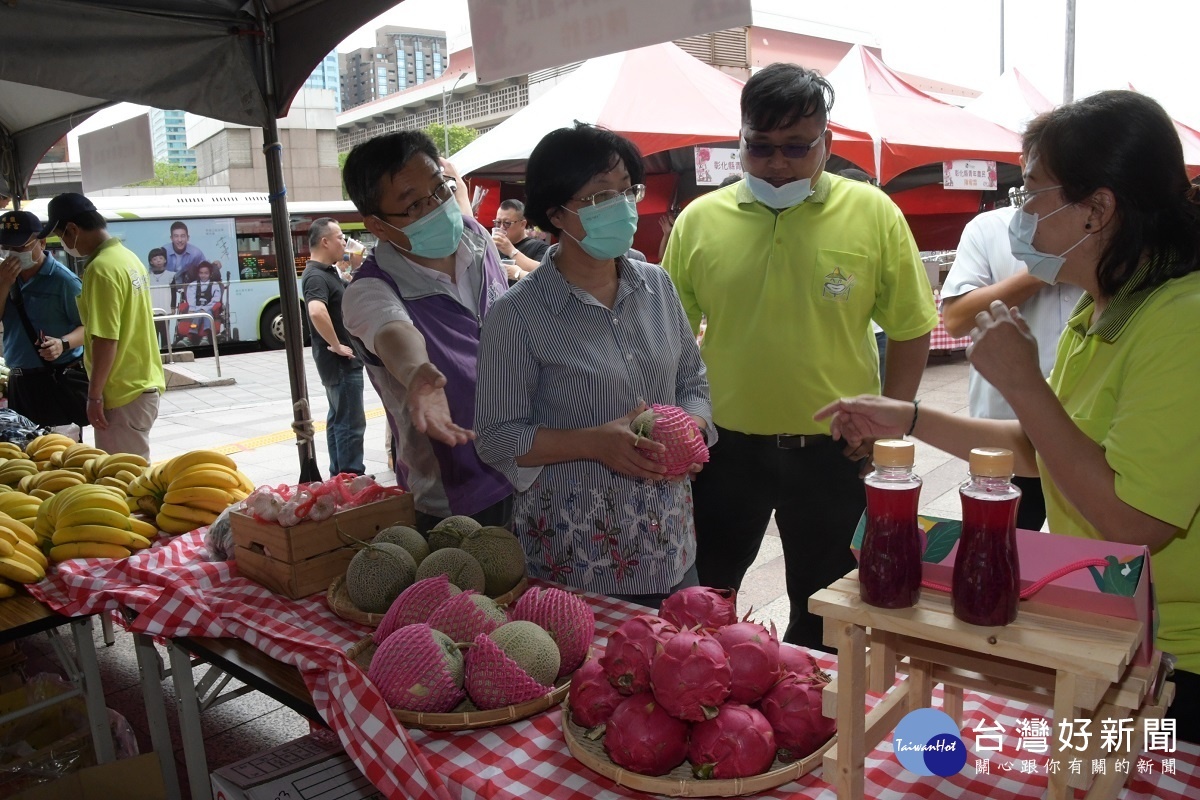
(785, 441)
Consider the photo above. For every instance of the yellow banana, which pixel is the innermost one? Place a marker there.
(95, 516)
(58, 482)
(205, 477)
(25, 484)
(10, 450)
(125, 475)
(186, 496)
(139, 488)
(6, 548)
(172, 525)
(45, 494)
(237, 495)
(7, 590)
(181, 463)
(28, 551)
(26, 510)
(132, 504)
(20, 570)
(19, 529)
(4, 487)
(143, 529)
(9, 535)
(92, 533)
(90, 496)
(138, 542)
(113, 483)
(198, 516)
(14, 499)
(63, 552)
(56, 458)
(244, 483)
(126, 458)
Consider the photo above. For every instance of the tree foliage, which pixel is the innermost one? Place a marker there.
(460, 137)
(168, 174)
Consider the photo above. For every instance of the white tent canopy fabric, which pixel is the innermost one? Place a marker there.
(1010, 102)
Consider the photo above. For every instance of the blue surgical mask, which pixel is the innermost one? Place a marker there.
(435, 235)
(1021, 230)
(608, 227)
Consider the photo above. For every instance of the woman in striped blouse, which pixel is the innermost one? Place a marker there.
(567, 358)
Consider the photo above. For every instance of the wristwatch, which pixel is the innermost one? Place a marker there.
(66, 345)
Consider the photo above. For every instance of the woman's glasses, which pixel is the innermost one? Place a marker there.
(634, 194)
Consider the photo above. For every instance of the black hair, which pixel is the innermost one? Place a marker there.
(205, 265)
(565, 160)
(780, 95)
(86, 221)
(856, 174)
(178, 225)
(373, 160)
(1124, 142)
(319, 230)
(730, 179)
(513, 205)
(158, 251)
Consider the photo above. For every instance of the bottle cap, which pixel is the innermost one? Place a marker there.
(991, 462)
(894, 453)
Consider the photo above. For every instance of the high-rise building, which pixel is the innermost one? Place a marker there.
(400, 59)
(168, 134)
(327, 75)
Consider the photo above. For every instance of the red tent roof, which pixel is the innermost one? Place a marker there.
(909, 128)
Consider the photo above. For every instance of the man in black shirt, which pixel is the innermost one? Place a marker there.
(509, 232)
(340, 369)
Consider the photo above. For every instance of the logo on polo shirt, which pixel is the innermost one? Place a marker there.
(837, 286)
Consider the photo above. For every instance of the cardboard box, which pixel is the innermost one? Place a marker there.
(304, 559)
(313, 766)
(137, 778)
(1123, 589)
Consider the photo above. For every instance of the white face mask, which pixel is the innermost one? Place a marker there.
(71, 251)
(25, 258)
(786, 196)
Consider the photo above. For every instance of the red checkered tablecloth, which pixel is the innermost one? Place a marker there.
(940, 339)
(178, 594)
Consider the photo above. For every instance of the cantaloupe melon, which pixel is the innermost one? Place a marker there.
(531, 647)
(501, 556)
(458, 565)
(406, 537)
(377, 575)
(450, 532)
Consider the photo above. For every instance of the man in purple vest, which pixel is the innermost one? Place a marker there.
(414, 310)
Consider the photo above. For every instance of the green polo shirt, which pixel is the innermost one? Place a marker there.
(789, 297)
(115, 304)
(1129, 381)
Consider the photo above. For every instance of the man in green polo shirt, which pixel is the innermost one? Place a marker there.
(790, 265)
(120, 345)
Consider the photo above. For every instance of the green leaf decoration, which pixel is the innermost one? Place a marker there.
(940, 539)
(1118, 578)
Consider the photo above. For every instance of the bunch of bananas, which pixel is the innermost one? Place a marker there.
(117, 470)
(76, 458)
(189, 490)
(20, 559)
(20, 506)
(48, 483)
(14, 469)
(90, 521)
(10, 450)
(41, 449)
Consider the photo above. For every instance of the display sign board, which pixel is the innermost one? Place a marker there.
(715, 164)
(969, 174)
(118, 155)
(517, 37)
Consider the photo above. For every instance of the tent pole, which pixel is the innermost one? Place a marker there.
(289, 297)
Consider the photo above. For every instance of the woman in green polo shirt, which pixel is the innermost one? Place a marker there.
(1107, 207)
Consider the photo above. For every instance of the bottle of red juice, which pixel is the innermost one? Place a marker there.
(889, 562)
(987, 575)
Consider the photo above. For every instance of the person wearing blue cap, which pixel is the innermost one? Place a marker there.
(43, 333)
(120, 346)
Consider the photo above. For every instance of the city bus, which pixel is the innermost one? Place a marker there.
(230, 232)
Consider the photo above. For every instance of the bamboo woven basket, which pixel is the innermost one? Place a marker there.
(362, 651)
(680, 782)
(339, 602)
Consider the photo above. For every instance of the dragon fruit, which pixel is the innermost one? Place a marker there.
(415, 604)
(593, 699)
(675, 429)
(737, 743)
(494, 680)
(796, 659)
(641, 736)
(753, 659)
(690, 676)
(700, 605)
(630, 651)
(793, 707)
(466, 615)
(418, 669)
(568, 619)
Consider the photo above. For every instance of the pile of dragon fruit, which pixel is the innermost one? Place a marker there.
(696, 684)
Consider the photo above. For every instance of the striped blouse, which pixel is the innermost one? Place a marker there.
(551, 355)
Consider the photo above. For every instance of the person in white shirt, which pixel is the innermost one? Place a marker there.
(985, 271)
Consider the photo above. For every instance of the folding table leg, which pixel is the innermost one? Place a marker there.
(189, 724)
(93, 690)
(150, 668)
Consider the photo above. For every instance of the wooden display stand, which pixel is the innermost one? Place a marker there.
(1072, 661)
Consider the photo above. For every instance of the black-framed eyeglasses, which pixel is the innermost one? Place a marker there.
(419, 208)
(505, 224)
(1019, 195)
(634, 194)
(764, 150)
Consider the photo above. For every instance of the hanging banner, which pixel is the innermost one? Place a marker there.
(968, 174)
(715, 164)
(517, 37)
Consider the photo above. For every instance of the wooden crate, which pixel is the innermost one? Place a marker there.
(305, 558)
